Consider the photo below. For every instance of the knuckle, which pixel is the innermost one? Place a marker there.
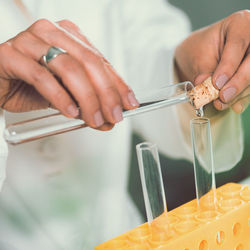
(41, 24)
(93, 58)
(110, 90)
(69, 67)
(39, 75)
(22, 38)
(53, 33)
(229, 67)
(241, 14)
(239, 40)
(245, 13)
(60, 95)
(244, 78)
(90, 100)
(68, 23)
(65, 21)
(125, 89)
(242, 43)
(112, 94)
(4, 49)
(238, 107)
(90, 97)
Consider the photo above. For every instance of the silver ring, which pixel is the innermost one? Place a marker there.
(53, 52)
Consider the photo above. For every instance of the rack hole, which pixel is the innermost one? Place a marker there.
(236, 229)
(220, 237)
(239, 247)
(204, 245)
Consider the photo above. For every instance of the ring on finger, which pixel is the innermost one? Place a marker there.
(52, 53)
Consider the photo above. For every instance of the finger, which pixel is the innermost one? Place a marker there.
(94, 67)
(26, 69)
(236, 45)
(241, 105)
(77, 83)
(30, 45)
(201, 78)
(219, 105)
(129, 100)
(75, 32)
(53, 33)
(245, 95)
(127, 95)
(242, 101)
(237, 84)
(106, 127)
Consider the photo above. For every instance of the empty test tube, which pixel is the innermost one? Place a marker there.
(151, 178)
(203, 161)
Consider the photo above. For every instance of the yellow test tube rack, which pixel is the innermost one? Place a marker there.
(192, 227)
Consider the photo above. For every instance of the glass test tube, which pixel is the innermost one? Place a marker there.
(151, 179)
(55, 123)
(203, 161)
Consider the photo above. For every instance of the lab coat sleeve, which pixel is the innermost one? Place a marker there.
(3, 150)
(152, 32)
(152, 29)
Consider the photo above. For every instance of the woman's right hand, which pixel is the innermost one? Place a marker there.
(88, 81)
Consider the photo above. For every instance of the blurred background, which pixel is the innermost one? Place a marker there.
(200, 13)
(50, 214)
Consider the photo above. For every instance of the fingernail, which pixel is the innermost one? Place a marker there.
(72, 110)
(98, 118)
(132, 100)
(221, 81)
(117, 113)
(229, 93)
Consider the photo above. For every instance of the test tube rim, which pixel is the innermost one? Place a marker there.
(146, 145)
(186, 84)
(199, 121)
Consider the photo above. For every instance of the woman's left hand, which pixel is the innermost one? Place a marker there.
(223, 51)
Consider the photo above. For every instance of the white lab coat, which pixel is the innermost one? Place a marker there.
(69, 191)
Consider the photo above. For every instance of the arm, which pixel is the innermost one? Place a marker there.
(151, 64)
(87, 80)
(220, 50)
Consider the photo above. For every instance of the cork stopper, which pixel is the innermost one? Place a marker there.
(203, 93)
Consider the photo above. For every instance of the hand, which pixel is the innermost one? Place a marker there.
(87, 79)
(223, 51)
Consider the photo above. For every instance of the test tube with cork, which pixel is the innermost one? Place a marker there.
(38, 127)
